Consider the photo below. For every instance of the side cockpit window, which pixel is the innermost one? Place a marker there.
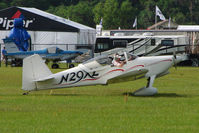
(105, 60)
(98, 62)
(131, 57)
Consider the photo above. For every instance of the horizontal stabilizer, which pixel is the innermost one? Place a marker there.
(44, 79)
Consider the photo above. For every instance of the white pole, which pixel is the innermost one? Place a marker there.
(155, 19)
(136, 23)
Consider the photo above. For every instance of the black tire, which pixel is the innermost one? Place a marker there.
(55, 66)
(13, 63)
(71, 65)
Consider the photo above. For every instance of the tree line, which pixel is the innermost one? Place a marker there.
(115, 13)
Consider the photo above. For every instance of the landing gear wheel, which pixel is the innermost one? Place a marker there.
(13, 63)
(26, 93)
(54, 66)
(71, 65)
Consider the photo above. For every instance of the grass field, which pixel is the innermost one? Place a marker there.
(102, 109)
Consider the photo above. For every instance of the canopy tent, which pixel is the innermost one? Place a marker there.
(188, 28)
(47, 29)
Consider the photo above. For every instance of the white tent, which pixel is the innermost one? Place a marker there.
(47, 29)
(188, 27)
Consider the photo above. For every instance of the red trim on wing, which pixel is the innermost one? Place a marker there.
(90, 79)
(115, 70)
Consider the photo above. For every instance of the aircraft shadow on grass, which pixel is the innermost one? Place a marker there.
(168, 95)
(171, 95)
(130, 94)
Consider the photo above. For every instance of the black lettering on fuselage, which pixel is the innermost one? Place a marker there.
(95, 74)
(75, 77)
(64, 78)
(72, 76)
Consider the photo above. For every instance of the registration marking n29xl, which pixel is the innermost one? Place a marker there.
(75, 77)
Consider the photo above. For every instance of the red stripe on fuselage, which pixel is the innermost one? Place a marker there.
(134, 67)
(160, 61)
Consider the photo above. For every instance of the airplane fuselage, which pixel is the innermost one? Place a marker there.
(82, 75)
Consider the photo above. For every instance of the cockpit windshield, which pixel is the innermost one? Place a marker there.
(131, 56)
(102, 60)
(107, 59)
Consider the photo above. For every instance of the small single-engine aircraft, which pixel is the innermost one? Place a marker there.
(54, 54)
(18, 46)
(99, 70)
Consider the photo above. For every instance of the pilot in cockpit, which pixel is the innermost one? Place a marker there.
(117, 61)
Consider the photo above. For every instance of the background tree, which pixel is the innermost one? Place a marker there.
(61, 11)
(111, 15)
(115, 13)
(3, 5)
(82, 13)
(146, 16)
(98, 12)
(127, 15)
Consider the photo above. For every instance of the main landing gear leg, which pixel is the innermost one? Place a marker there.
(149, 90)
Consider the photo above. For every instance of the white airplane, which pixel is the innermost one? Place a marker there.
(99, 70)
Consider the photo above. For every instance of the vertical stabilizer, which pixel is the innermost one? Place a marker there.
(34, 68)
(10, 46)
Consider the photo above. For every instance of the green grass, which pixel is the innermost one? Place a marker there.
(102, 109)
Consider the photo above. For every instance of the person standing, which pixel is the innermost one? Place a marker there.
(4, 52)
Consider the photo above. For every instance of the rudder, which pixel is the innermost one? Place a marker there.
(34, 68)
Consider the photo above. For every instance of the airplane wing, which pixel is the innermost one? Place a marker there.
(130, 76)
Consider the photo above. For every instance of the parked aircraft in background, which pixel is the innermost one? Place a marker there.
(18, 46)
(99, 70)
(54, 54)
